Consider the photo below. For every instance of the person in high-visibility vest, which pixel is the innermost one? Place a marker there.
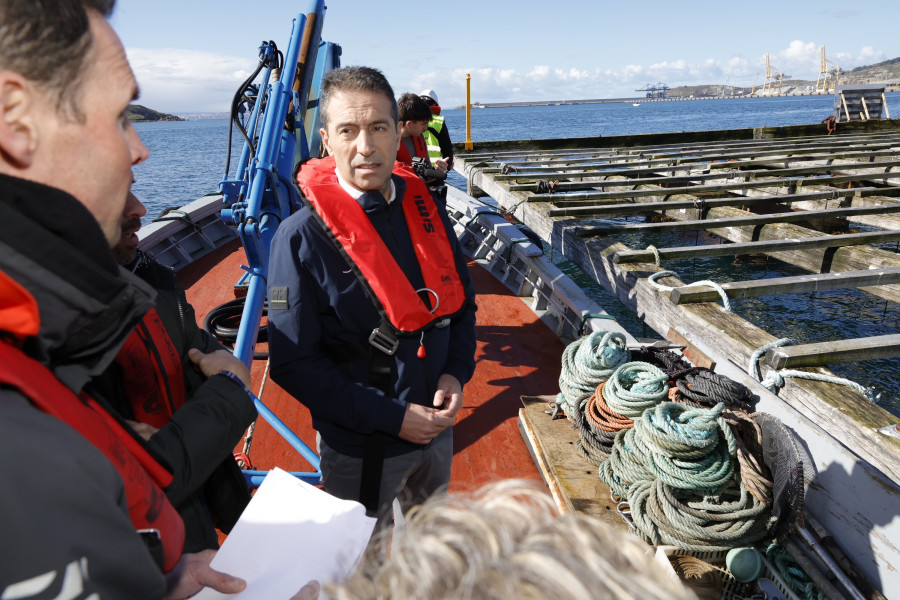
(437, 138)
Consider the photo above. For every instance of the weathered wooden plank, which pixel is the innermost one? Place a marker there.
(750, 220)
(832, 353)
(782, 159)
(713, 188)
(824, 241)
(610, 163)
(730, 151)
(696, 177)
(573, 481)
(620, 209)
(816, 260)
(788, 285)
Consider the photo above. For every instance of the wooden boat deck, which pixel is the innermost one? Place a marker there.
(517, 355)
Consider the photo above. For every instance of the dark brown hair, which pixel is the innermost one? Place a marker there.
(355, 79)
(47, 42)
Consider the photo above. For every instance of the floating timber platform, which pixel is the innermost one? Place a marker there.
(752, 189)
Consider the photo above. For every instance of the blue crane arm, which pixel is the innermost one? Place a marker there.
(280, 127)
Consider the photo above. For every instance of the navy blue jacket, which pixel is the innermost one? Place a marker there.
(327, 305)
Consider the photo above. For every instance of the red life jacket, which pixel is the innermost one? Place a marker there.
(420, 147)
(152, 373)
(144, 478)
(403, 307)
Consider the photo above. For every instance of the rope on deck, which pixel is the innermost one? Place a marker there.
(586, 363)
(676, 468)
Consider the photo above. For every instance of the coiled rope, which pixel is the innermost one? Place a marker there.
(632, 388)
(775, 380)
(586, 363)
(701, 387)
(670, 362)
(676, 467)
(593, 444)
(729, 518)
(755, 474)
(704, 579)
(792, 574)
(686, 448)
(635, 387)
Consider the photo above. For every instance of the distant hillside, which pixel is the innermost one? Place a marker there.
(883, 72)
(887, 73)
(138, 113)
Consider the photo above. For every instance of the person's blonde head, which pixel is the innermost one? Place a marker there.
(507, 541)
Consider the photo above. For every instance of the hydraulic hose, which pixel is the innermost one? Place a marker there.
(224, 320)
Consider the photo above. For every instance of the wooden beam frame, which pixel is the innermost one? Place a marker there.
(751, 220)
(797, 284)
(621, 209)
(767, 247)
(830, 353)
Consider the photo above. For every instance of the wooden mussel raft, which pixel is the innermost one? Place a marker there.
(754, 189)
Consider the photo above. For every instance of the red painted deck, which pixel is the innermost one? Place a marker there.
(517, 355)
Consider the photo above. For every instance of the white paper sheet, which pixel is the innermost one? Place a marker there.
(291, 533)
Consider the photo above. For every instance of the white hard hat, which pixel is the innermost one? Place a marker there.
(431, 93)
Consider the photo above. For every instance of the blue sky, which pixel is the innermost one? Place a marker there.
(189, 55)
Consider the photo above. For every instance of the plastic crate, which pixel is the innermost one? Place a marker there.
(731, 587)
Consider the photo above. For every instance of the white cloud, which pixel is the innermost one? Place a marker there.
(173, 80)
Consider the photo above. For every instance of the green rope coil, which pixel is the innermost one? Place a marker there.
(729, 518)
(677, 469)
(684, 447)
(634, 387)
(586, 363)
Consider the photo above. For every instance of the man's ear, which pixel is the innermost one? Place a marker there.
(18, 134)
(325, 143)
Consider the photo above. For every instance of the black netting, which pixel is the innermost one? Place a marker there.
(789, 464)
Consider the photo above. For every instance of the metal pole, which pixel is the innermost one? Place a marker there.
(469, 144)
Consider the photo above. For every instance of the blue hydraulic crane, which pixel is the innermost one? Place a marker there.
(276, 112)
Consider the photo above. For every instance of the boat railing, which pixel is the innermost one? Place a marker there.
(178, 237)
(520, 263)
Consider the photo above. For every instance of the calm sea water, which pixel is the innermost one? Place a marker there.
(188, 160)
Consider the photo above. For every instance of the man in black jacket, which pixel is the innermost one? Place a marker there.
(79, 485)
(162, 381)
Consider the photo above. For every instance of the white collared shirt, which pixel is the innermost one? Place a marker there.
(355, 193)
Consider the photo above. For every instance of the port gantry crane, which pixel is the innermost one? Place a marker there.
(829, 74)
(658, 91)
(774, 77)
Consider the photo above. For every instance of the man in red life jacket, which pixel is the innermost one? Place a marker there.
(78, 483)
(376, 337)
(414, 118)
(163, 381)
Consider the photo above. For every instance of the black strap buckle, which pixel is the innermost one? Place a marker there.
(153, 541)
(384, 341)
